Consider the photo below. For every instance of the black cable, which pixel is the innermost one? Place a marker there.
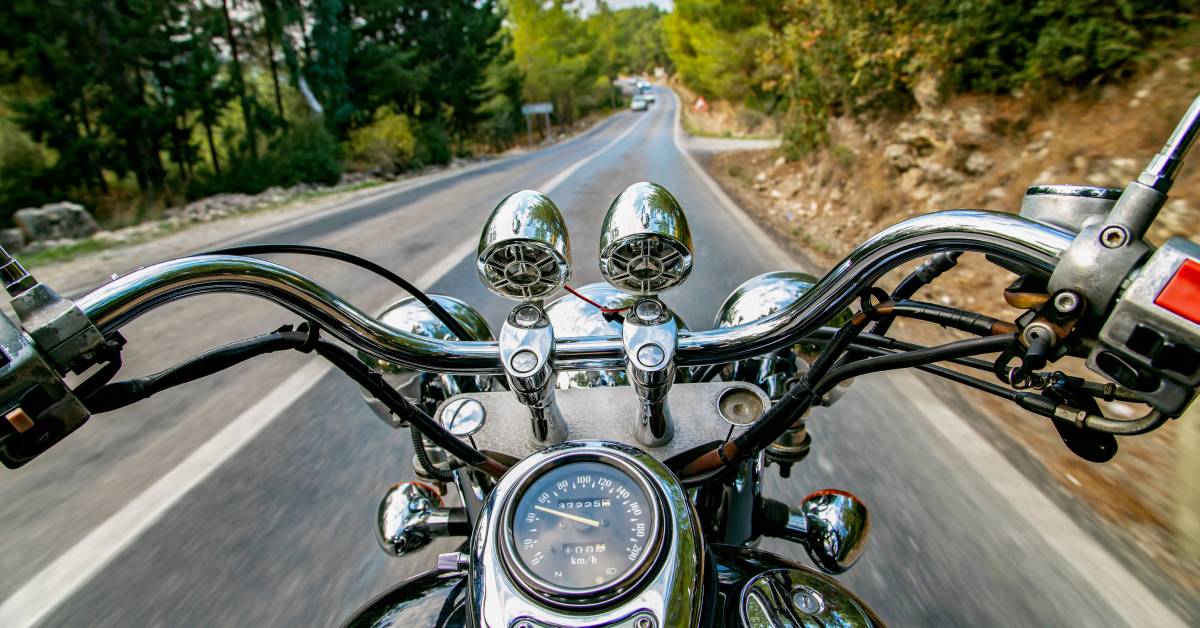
(963, 320)
(970, 346)
(317, 251)
(920, 277)
(950, 374)
(405, 410)
(123, 393)
(822, 335)
(801, 396)
(427, 465)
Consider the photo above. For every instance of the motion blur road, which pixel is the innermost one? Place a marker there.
(280, 532)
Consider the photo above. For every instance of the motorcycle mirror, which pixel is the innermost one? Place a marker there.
(837, 526)
(524, 252)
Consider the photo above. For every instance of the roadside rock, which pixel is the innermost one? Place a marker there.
(12, 240)
(940, 174)
(927, 91)
(56, 221)
(971, 130)
(978, 164)
(900, 156)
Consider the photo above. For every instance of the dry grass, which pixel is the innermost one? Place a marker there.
(828, 203)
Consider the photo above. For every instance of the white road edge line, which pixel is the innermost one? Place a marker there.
(1124, 592)
(74, 568)
(1121, 590)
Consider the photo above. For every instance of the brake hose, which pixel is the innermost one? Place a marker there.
(123, 393)
(804, 393)
(318, 251)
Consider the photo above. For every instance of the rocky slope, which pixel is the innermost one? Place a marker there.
(982, 152)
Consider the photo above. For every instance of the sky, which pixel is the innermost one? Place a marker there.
(620, 4)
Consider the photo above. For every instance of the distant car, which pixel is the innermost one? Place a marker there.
(648, 94)
(639, 104)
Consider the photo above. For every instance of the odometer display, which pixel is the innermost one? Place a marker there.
(582, 526)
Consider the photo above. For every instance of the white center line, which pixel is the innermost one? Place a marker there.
(68, 573)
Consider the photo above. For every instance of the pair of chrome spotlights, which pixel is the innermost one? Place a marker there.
(645, 245)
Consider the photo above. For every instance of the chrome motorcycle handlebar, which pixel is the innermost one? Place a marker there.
(1004, 235)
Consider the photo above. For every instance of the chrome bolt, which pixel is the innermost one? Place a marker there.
(1066, 301)
(527, 316)
(648, 310)
(524, 361)
(463, 416)
(452, 562)
(1035, 331)
(651, 355)
(1113, 237)
(644, 622)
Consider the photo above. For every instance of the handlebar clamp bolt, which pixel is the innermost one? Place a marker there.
(524, 361)
(1066, 302)
(1113, 237)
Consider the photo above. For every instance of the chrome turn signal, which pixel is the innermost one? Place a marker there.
(410, 516)
(645, 243)
(836, 528)
(524, 252)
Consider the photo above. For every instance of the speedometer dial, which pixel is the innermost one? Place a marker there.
(583, 527)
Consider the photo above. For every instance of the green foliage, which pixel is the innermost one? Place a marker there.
(501, 111)
(164, 95)
(571, 60)
(834, 58)
(433, 145)
(715, 46)
(387, 144)
(1051, 43)
(22, 168)
(306, 153)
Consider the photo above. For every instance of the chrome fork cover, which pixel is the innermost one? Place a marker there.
(422, 388)
(758, 298)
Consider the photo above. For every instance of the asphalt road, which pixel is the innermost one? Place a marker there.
(280, 533)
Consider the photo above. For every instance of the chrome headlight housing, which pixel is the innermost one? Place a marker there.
(424, 389)
(758, 298)
(574, 317)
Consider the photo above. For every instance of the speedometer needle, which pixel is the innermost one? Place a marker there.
(564, 515)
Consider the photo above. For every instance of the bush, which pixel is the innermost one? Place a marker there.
(305, 153)
(386, 144)
(22, 166)
(433, 145)
(843, 58)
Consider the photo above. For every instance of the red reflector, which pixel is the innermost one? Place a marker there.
(1182, 294)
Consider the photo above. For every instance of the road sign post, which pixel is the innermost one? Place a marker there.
(533, 109)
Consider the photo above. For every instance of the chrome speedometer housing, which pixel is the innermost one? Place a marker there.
(660, 585)
(629, 530)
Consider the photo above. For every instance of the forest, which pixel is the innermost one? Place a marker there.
(144, 103)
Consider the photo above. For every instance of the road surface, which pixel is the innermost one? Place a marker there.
(233, 501)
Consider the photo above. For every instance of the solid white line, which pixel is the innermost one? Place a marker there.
(68, 573)
(1123, 591)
